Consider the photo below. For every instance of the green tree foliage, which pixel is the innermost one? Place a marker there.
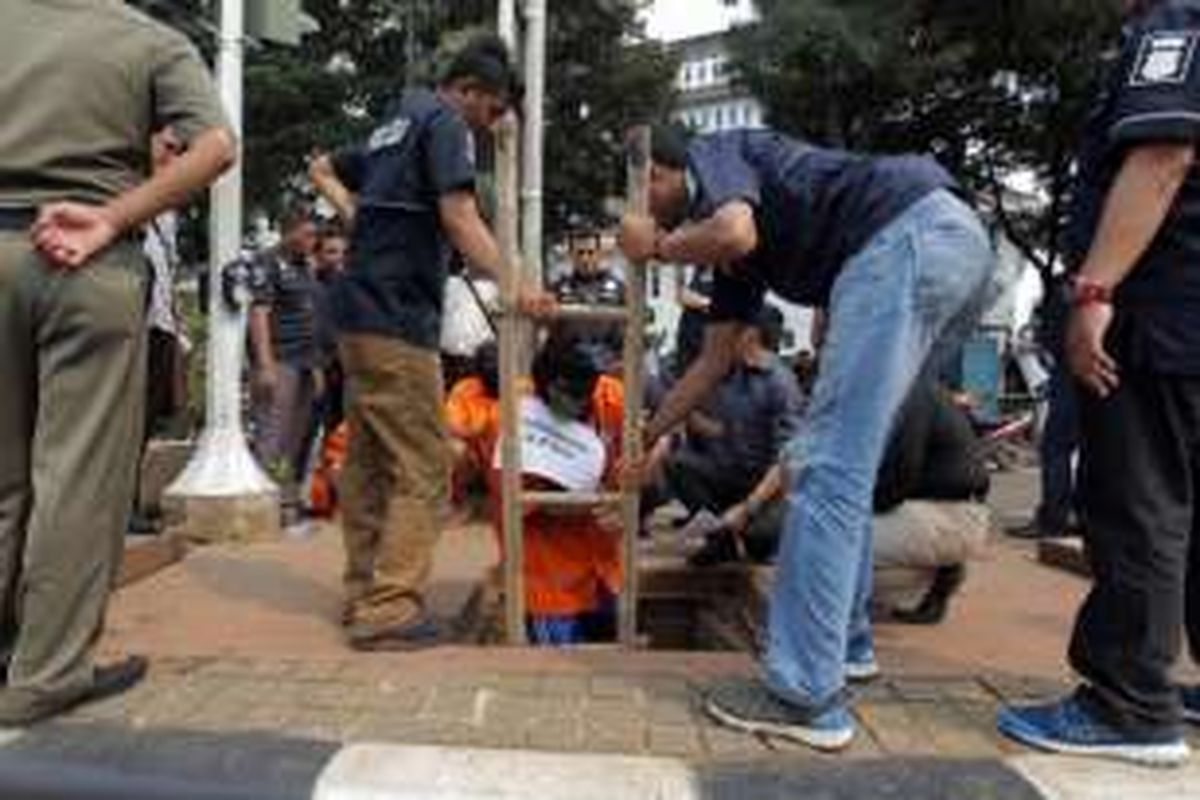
(992, 87)
(598, 84)
(326, 92)
(601, 76)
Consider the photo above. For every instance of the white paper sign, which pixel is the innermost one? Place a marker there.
(569, 453)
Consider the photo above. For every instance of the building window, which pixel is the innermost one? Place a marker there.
(720, 118)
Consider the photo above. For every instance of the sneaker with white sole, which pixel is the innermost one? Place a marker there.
(1067, 727)
(747, 705)
(862, 671)
(861, 665)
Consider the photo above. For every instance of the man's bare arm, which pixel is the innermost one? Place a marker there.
(1137, 206)
(460, 217)
(206, 158)
(327, 183)
(707, 371)
(726, 237)
(260, 338)
(69, 234)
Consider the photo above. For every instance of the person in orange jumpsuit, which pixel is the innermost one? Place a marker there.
(572, 557)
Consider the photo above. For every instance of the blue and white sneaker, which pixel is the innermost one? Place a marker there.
(747, 705)
(1067, 727)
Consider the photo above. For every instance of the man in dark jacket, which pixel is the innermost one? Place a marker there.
(1133, 343)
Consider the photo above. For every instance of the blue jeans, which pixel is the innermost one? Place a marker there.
(918, 285)
(1060, 440)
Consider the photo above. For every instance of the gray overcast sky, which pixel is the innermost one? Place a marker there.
(677, 19)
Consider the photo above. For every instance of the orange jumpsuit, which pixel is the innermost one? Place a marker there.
(572, 562)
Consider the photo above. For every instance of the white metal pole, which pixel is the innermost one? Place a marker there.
(222, 465)
(507, 23)
(532, 158)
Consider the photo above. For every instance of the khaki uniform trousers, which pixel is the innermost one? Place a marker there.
(395, 483)
(72, 375)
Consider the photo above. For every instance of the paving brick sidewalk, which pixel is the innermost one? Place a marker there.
(246, 639)
(645, 704)
(250, 673)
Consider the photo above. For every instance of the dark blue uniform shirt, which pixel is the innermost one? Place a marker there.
(1151, 94)
(814, 208)
(398, 262)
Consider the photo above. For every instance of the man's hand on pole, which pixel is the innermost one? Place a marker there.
(534, 301)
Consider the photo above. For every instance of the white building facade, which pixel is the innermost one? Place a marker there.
(708, 99)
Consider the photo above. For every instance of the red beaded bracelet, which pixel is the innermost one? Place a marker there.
(1086, 292)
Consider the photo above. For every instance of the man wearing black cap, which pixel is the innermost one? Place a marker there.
(900, 262)
(1133, 343)
(409, 191)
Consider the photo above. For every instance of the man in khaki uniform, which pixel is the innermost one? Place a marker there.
(84, 85)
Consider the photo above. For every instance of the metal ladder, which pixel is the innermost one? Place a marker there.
(514, 330)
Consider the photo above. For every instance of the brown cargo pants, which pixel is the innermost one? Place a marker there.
(395, 483)
(72, 375)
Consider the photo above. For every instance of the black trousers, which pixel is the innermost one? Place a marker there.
(699, 484)
(1139, 480)
(162, 364)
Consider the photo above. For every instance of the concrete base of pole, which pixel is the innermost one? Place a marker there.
(222, 495)
(212, 520)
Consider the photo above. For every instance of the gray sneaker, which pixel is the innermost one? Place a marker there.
(747, 705)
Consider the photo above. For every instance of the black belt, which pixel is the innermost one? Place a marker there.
(17, 219)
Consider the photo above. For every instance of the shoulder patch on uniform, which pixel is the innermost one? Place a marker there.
(1164, 57)
(389, 135)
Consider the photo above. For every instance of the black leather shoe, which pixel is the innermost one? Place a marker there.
(20, 708)
(417, 634)
(719, 548)
(933, 606)
(1034, 530)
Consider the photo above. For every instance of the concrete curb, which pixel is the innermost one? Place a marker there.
(100, 762)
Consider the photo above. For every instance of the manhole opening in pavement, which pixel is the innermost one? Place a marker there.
(680, 607)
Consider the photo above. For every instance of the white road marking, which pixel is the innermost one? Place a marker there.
(396, 772)
(1078, 778)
